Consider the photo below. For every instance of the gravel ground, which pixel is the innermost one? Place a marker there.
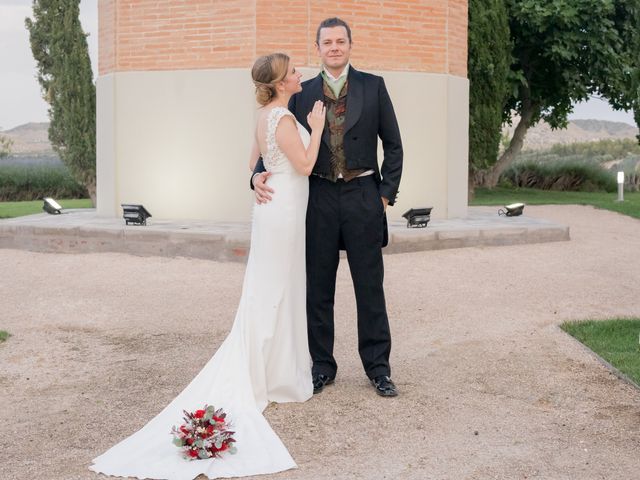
(490, 387)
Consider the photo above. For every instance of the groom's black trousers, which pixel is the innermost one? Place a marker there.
(349, 214)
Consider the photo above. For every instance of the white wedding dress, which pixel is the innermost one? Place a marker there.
(265, 357)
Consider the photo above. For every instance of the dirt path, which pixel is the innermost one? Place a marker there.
(490, 387)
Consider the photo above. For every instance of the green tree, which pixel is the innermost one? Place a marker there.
(564, 51)
(5, 146)
(489, 61)
(59, 46)
(623, 90)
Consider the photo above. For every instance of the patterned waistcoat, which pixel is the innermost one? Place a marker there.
(336, 116)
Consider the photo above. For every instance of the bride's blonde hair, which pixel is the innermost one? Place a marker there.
(267, 71)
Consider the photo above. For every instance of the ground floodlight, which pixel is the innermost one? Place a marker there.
(512, 210)
(135, 214)
(417, 217)
(51, 206)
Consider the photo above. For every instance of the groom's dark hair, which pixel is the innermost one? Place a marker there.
(332, 22)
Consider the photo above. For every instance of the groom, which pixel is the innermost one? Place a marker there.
(348, 195)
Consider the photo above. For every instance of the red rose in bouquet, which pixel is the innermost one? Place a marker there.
(204, 434)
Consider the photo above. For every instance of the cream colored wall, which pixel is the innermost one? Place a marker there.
(182, 143)
(432, 111)
(106, 143)
(179, 141)
(457, 147)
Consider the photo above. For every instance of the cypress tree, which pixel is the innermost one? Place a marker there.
(489, 66)
(59, 46)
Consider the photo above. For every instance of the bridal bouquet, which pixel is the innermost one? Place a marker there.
(204, 434)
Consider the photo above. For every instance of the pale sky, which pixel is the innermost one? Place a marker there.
(20, 98)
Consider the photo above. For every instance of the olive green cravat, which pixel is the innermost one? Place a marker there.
(334, 85)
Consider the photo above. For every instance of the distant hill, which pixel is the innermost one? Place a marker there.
(541, 136)
(600, 126)
(30, 138)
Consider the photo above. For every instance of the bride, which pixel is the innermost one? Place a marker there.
(266, 357)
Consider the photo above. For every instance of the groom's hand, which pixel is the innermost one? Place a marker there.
(385, 202)
(260, 187)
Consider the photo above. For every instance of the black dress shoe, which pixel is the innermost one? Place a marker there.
(384, 386)
(319, 381)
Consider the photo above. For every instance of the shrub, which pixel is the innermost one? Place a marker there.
(588, 159)
(599, 152)
(562, 175)
(22, 183)
(602, 150)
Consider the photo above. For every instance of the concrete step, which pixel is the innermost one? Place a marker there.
(82, 231)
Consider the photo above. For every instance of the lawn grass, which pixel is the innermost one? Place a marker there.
(4, 335)
(616, 341)
(18, 209)
(504, 196)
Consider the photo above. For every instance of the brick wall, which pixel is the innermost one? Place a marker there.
(282, 26)
(175, 34)
(457, 37)
(403, 35)
(106, 36)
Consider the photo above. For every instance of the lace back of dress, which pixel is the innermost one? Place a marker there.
(275, 158)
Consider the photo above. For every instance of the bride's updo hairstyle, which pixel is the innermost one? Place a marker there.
(267, 71)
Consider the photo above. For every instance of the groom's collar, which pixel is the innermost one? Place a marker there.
(344, 73)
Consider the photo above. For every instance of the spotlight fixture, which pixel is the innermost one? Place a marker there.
(512, 210)
(135, 214)
(51, 206)
(417, 217)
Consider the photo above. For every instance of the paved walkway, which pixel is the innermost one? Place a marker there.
(490, 387)
(82, 231)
